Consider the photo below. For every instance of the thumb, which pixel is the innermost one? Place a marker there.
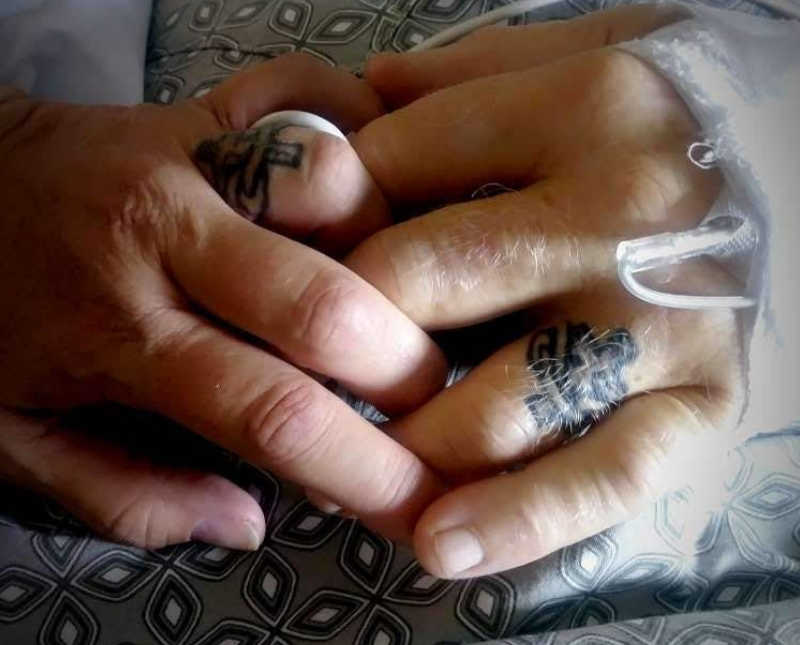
(127, 500)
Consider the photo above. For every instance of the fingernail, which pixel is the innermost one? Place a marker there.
(323, 503)
(458, 550)
(228, 534)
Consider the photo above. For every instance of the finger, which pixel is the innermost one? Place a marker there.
(518, 127)
(296, 181)
(471, 261)
(124, 499)
(402, 78)
(647, 447)
(316, 312)
(275, 417)
(296, 81)
(574, 370)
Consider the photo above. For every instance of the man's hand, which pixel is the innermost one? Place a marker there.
(124, 276)
(593, 143)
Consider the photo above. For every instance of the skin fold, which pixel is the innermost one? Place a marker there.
(195, 273)
(607, 402)
(127, 279)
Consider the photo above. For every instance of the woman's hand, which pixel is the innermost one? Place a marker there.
(126, 277)
(593, 142)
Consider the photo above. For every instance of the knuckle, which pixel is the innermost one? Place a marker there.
(616, 69)
(288, 422)
(326, 312)
(651, 190)
(135, 523)
(136, 200)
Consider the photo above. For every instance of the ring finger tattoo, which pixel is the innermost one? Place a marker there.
(577, 375)
(238, 165)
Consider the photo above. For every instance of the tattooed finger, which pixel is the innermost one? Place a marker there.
(238, 164)
(577, 375)
(296, 181)
(558, 382)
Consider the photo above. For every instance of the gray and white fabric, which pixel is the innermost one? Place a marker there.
(715, 563)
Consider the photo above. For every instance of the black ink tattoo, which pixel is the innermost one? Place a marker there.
(578, 376)
(237, 166)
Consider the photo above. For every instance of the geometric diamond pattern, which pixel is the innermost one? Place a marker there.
(269, 586)
(584, 564)
(69, 623)
(324, 615)
(366, 557)
(246, 14)
(306, 527)
(593, 611)
(209, 562)
(383, 628)
(734, 590)
(116, 575)
(676, 523)
(641, 570)
(21, 591)
(234, 632)
(485, 606)
(341, 27)
(415, 586)
(644, 630)
(59, 552)
(173, 610)
(683, 594)
(783, 589)
(712, 634)
(774, 496)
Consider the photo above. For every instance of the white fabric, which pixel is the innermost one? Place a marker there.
(82, 51)
(740, 77)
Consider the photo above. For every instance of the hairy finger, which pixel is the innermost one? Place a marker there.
(402, 78)
(474, 260)
(581, 363)
(518, 127)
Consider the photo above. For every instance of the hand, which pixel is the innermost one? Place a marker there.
(593, 142)
(125, 277)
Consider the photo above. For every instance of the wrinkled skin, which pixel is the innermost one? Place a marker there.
(126, 278)
(593, 143)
